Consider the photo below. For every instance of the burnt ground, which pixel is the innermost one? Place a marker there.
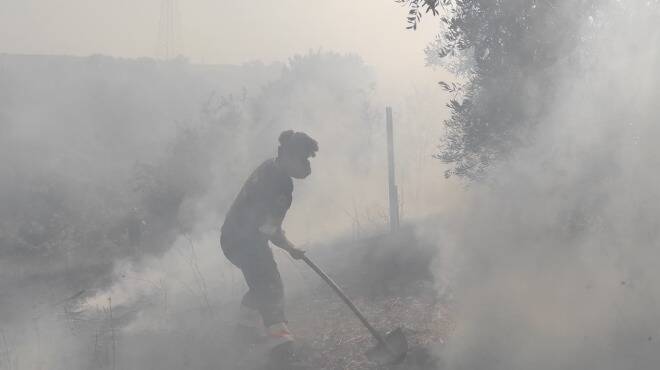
(333, 339)
(389, 279)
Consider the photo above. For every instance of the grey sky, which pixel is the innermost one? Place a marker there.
(224, 31)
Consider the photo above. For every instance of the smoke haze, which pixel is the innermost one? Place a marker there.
(116, 175)
(119, 172)
(554, 258)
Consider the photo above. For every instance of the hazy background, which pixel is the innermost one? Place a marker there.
(226, 32)
(119, 167)
(547, 262)
(118, 173)
(554, 261)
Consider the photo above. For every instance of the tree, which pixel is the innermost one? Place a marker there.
(506, 54)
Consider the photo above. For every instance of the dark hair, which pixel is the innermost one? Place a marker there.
(295, 144)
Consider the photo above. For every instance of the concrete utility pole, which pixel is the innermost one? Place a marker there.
(170, 40)
(393, 191)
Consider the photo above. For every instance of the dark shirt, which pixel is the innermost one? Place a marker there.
(265, 198)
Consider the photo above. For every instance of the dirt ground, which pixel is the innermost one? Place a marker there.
(333, 339)
(389, 279)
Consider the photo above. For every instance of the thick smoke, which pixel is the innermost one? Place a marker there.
(553, 262)
(119, 175)
(73, 134)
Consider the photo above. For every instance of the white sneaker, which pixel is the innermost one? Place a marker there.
(279, 334)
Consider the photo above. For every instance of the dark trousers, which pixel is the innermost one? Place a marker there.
(255, 259)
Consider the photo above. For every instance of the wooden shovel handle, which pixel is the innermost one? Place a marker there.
(348, 302)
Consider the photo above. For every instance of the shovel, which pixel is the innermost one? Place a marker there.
(391, 348)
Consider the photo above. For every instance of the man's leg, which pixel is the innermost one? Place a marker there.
(249, 327)
(266, 292)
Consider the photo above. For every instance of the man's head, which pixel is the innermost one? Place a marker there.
(294, 152)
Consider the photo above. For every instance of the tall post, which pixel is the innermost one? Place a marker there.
(170, 39)
(393, 191)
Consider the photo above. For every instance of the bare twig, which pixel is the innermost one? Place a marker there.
(199, 277)
(112, 334)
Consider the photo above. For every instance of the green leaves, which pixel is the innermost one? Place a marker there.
(507, 50)
(418, 7)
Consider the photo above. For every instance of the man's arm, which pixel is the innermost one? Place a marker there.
(278, 237)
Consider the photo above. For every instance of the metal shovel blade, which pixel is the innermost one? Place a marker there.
(392, 351)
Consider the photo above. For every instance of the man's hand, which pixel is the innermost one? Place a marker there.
(296, 253)
(278, 237)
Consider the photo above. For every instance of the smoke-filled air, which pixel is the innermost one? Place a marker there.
(345, 185)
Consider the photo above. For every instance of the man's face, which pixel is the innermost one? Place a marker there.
(299, 167)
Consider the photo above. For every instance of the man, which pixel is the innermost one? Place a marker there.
(254, 219)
